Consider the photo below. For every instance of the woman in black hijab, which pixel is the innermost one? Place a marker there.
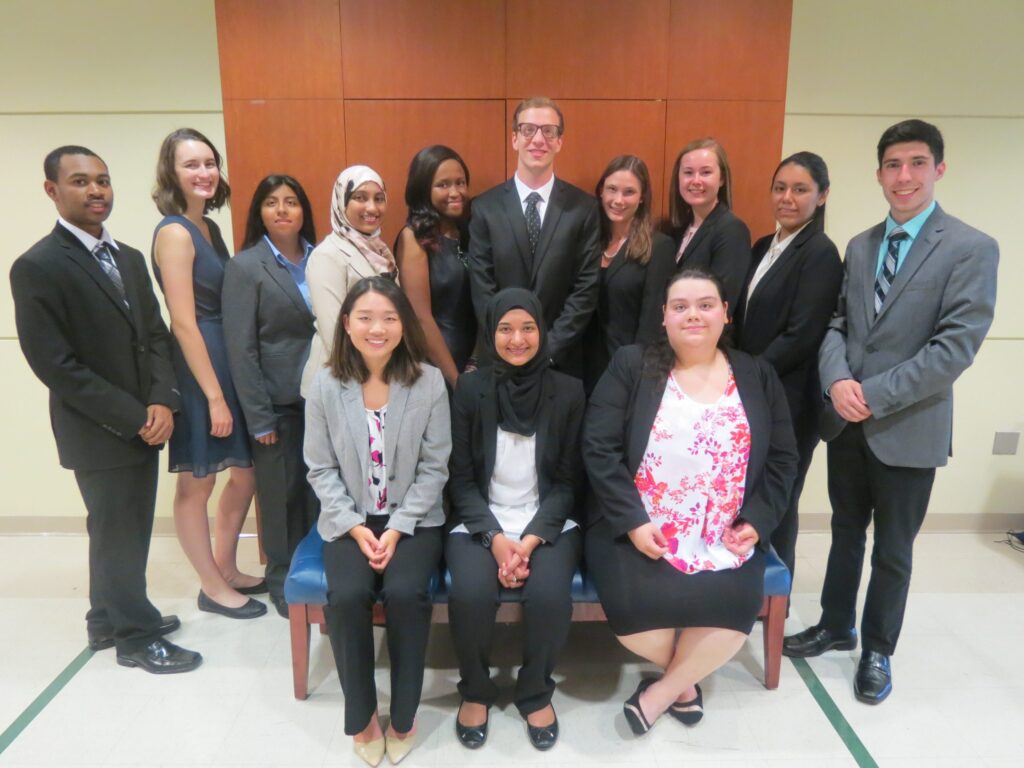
(515, 473)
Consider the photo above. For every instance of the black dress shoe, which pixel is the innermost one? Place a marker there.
(100, 642)
(250, 610)
(161, 658)
(634, 713)
(280, 605)
(544, 737)
(873, 681)
(472, 736)
(689, 712)
(259, 588)
(815, 640)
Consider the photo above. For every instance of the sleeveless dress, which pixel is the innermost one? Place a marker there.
(192, 447)
(451, 302)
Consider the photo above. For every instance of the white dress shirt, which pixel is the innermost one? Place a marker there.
(544, 192)
(776, 249)
(85, 238)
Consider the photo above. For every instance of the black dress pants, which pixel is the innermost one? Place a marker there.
(862, 488)
(119, 503)
(547, 615)
(288, 506)
(352, 589)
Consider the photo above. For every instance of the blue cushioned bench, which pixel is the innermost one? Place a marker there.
(305, 591)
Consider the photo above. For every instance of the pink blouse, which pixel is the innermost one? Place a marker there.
(693, 474)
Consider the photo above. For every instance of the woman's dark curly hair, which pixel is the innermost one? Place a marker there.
(424, 219)
(659, 357)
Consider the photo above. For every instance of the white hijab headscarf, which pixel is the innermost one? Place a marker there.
(371, 246)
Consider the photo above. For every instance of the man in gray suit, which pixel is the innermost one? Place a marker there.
(917, 300)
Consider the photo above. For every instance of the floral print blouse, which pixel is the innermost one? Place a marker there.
(378, 479)
(693, 475)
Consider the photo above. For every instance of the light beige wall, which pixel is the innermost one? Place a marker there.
(855, 69)
(115, 76)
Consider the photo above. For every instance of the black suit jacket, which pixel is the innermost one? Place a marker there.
(102, 362)
(720, 245)
(268, 328)
(474, 445)
(786, 318)
(564, 271)
(619, 420)
(632, 298)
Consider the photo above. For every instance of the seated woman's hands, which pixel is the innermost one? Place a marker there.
(649, 540)
(377, 551)
(740, 538)
(513, 558)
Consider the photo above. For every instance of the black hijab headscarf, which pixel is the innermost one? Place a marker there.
(519, 389)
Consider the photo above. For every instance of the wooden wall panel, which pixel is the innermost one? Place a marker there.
(303, 138)
(275, 50)
(751, 132)
(412, 49)
(386, 134)
(729, 49)
(588, 49)
(596, 131)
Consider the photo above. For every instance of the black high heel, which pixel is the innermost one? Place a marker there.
(683, 710)
(631, 709)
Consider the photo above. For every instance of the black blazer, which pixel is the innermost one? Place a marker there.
(621, 414)
(722, 246)
(629, 309)
(268, 328)
(474, 445)
(565, 267)
(102, 362)
(786, 318)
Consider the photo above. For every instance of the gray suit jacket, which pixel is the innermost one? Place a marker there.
(417, 442)
(267, 326)
(927, 333)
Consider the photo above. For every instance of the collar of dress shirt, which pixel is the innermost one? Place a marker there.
(911, 227)
(544, 192)
(778, 246)
(284, 262)
(85, 238)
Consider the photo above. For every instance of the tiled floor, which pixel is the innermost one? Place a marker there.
(958, 700)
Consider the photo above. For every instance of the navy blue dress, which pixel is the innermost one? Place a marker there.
(192, 447)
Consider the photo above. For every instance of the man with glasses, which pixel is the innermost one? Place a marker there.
(538, 232)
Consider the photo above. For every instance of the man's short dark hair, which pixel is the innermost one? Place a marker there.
(51, 165)
(912, 130)
(538, 102)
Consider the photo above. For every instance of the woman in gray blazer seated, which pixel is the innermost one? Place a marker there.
(377, 443)
(268, 322)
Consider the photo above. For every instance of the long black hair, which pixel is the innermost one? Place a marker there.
(255, 229)
(424, 219)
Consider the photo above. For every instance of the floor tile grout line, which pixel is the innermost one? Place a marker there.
(831, 711)
(22, 721)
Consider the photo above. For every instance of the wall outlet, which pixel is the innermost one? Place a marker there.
(1005, 444)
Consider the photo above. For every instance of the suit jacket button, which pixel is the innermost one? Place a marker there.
(391, 478)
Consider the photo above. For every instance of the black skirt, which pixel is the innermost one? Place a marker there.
(640, 594)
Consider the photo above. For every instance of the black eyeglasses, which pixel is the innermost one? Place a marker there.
(529, 130)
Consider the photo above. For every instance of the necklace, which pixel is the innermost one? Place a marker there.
(611, 250)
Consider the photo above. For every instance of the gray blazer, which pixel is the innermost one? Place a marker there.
(417, 442)
(927, 333)
(267, 327)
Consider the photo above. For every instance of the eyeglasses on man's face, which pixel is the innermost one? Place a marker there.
(529, 130)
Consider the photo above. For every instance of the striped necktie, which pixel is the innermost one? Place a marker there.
(884, 280)
(102, 254)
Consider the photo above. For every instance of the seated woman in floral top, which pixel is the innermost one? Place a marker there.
(691, 456)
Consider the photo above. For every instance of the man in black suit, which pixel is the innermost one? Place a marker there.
(90, 327)
(538, 232)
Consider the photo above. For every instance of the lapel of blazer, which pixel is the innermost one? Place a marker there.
(926, 241)
(280, 276)
(517, 222)
(355, 416)
(870, 267)
(543, 431)
(780, 268)
(489, 428)
(702, 231)
(553, 212)
(751, 392)
(87, 262)
(398, 397)
(616, 263)
(645, 410)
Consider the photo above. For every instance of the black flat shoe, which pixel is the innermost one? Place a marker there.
(873, 681)
(472, 736)
(815, 640)
(689, 712)
(102, 641)
(543, 737)
(161, 658)
(631, 709)
(251, 610)
(259, 588)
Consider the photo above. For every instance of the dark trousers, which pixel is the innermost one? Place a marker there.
(785, 534)
(547, 614)
(119, 503)
(860, 488)
(352, 589)
(288, 505)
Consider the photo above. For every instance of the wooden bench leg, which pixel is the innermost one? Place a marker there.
(774, 629)
(298, 622)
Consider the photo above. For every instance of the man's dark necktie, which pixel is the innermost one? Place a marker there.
(884, 280)
(533, 220)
